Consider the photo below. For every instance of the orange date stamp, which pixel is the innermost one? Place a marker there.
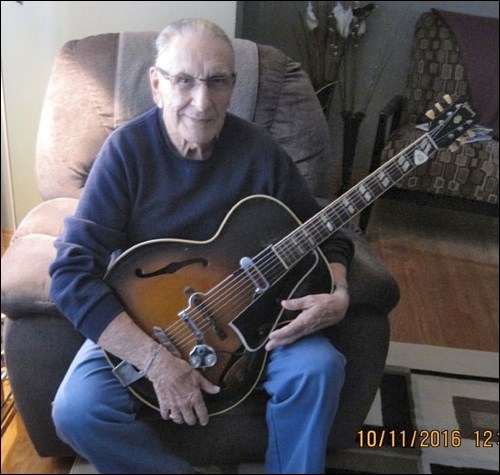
(422, 438)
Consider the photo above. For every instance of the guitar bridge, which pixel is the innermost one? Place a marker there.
(202, 355)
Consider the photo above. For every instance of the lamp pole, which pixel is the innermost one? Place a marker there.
(6, 164)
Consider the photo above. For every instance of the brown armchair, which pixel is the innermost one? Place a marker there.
(97, 83)
(453, 54)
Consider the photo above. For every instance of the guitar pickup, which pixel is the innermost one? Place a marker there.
(255, 275)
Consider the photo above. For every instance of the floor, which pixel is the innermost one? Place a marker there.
(446, 263)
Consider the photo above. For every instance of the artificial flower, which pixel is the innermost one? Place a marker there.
(311, 20)
(343, 19)
(332, 31)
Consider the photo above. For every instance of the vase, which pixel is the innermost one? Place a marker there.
(351, 123)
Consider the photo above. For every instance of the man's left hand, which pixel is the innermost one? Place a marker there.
(317, 312)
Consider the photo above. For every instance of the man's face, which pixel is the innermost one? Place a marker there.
(193, 116)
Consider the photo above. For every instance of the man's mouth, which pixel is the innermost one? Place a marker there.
(200, 119)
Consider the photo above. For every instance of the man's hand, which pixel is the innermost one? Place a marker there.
(317, 312)
(179, 389)
(178, 386)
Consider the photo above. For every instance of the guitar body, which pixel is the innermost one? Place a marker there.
(180, 287)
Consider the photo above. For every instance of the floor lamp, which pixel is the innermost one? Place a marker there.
(8, 205)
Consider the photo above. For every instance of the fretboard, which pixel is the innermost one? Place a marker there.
(320, 227)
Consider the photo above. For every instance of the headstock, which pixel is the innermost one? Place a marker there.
(451, 123)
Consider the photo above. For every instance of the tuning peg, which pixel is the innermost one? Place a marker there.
(462, 140)
(430, 114)
(439, 107)
(453, 147)
(470, 133)
(447, 98)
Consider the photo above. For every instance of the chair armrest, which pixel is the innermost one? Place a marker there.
(25, 276)
(371, 285)
(392, 109)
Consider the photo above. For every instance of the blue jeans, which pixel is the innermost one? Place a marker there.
(96, 415)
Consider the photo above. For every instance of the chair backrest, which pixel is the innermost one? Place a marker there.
(436, 67)
(101, 81)
(456, 54)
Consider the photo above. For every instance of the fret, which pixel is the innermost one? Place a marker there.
(339, 213)
(428, 145)
(283, 250)
(393, 172)
(299, 248)
(384, 179)
(298, 244)
(404, 164)
(378, 184)
(397, 170)
(327, 222)
(310, 236)
(365, 193)
(271, 264)
(348, 205)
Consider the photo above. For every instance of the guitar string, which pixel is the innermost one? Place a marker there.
(225, 291)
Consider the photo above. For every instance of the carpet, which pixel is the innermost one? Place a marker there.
(435, 412)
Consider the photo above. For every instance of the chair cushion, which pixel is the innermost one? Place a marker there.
(446, 52)
(25, 280)
(477, 39)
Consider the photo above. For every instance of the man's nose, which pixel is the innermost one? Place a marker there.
(201, 96)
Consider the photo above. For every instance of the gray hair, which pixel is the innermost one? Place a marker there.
(187, 27)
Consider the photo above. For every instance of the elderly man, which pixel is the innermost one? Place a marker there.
(175, 172)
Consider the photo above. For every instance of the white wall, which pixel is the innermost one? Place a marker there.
(31, 36)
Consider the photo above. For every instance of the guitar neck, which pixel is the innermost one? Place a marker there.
(325, 223)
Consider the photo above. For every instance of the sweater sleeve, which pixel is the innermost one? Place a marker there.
(339, 248)
(85, 247)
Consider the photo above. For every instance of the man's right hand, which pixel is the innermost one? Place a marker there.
(179, 389)
(178, 386)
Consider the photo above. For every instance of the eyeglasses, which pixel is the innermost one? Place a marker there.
(184, 83)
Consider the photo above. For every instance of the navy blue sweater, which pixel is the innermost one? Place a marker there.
(140, 188)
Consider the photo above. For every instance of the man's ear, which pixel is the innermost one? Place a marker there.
(154, 80)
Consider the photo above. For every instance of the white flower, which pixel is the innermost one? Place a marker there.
(311, 20)
(361, 28)
(343, 19)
